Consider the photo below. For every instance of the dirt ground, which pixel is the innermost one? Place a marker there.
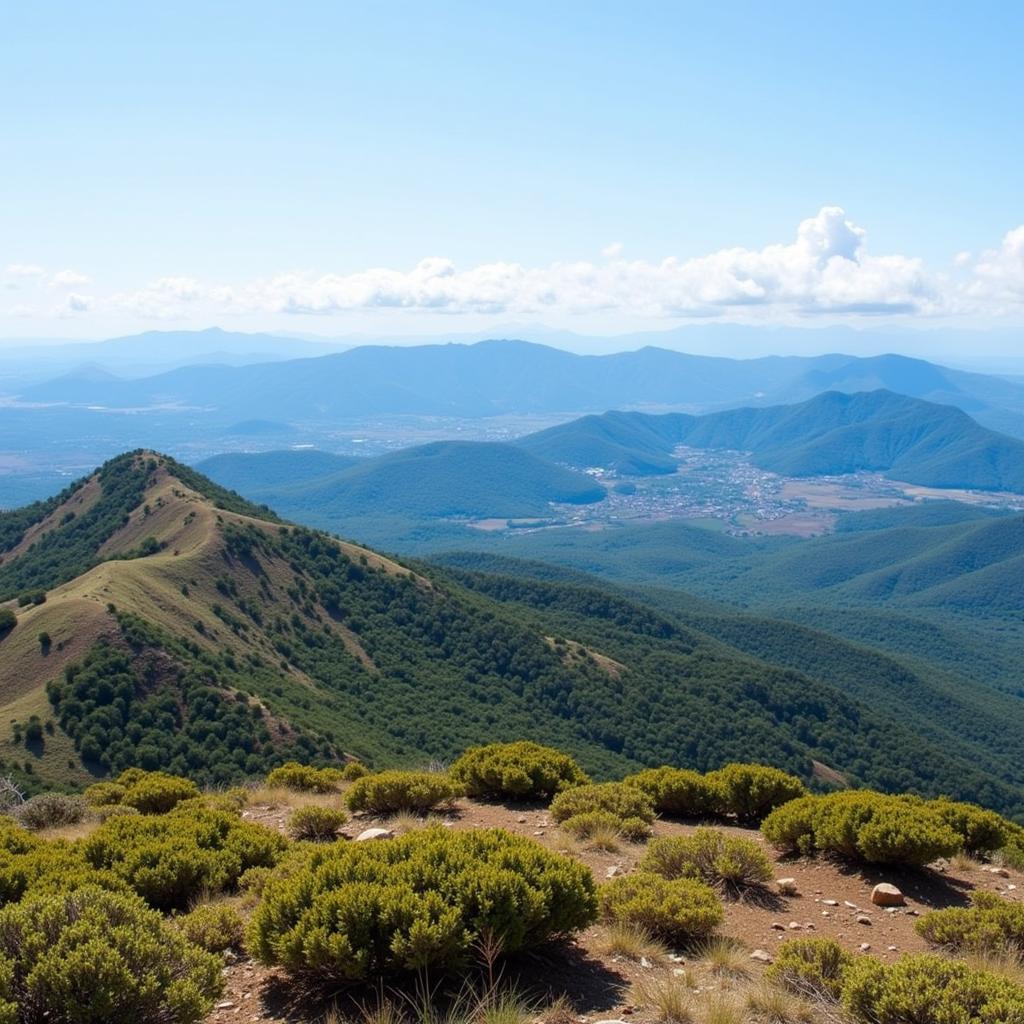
(833, 901)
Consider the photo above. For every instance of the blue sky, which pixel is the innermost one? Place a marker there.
(290, 166)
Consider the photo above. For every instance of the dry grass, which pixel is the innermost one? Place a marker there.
(773, 1005)
(276, 797)
(402, 822)
(631, 942)
(605, 840)
(70, 832)
(722, 1008)
(725, 957)
(963, 862)
(1007, 965)
(670, 999)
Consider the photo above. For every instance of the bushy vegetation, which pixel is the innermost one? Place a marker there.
(591, 824)
(92, 956)
(921, 989)
(677, 911)
(306, 778)
(679, 792)
(420, 901)
(215, 927)
(315, 824)
(517, 771)
(50, 810)
(710, 855)
(155, 792)
(630, 809)
(860, 825)
(748, 792)
(991, 924)
(393, 791)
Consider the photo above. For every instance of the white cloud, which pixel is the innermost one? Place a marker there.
(24, 270)
(69, 279)
(825, 269)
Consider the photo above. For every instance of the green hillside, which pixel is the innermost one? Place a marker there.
(257, 473)
(230, 631)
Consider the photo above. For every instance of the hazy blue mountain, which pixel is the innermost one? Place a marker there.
(904, 438)
(445, 478)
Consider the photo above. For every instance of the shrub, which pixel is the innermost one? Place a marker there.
(105, 794)
(92, 956)
(677, 791)
(305, 778)
(677, 911)
(156, 792)
(354, 770)
(711, 855)
(594, 823)
(50, 810)
(982, 831)
(8, 620)
(990, 925)
(317, 824)
(812, 967)
(517, 771)
(169, 859)
(214, 927)
(928, 989)
(861, 825)
(420, 901)
(751, 791)
(115, 811)
(50, 867)
(388, 792)
(612, 797)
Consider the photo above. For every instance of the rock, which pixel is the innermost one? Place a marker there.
(886, 895)
(831, 903)
(787, 886)
(644, 962)
(615, 869)
(678, 972)
(374, 833)
(865, 946)
(1001, 872)
(863, 919)
(677, 958)
(762, 956)
(794, 925)
(521, 820)
(778, 926)
(852, 906)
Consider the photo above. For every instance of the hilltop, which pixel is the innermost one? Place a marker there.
(231, 638)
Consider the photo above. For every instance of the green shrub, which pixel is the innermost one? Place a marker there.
(928, 989)
(982, 831)
(115, 811)
(861, 825)
(170, 859)
(677, 911)
(991, 925)
(316, 824)
(354, 770)
(751, 791)
(710, 855)
(305, 778)
(592, 823)
(8, 620)
(155, 792)
(420, 901)
(392, 791)
(813, 967)
(677, 791)
(50, 867)
(517, 771)
(105, 794)
(50, 810)
(93, 957)
(613, 797)
(214, 927)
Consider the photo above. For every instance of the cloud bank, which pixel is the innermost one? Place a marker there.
(826, 269)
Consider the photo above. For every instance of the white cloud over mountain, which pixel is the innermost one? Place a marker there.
(826, 269)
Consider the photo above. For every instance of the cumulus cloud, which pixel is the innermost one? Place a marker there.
(69, 279)
(825, 269)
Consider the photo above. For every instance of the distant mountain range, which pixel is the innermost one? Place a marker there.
(833, 433)
(501, 377)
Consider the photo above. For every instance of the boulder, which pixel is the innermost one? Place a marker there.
(887, 895)
(374, 833)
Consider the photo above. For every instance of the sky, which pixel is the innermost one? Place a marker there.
(331, 168)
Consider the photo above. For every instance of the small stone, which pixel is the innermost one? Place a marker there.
(825, 913)
(787, 886)
(539, 832)
(1001, 872)
(893, 949)
(852, 906)
(794, 925)
(521, 820)
(778, 926)
(762, 956)
(863, 919)
(886, 895)
(374, 833)
(644, 962)
(676, 958)
(865, 946)
(226, 1005)
(831, 903)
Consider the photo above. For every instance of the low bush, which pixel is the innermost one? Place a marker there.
(991, 925)
(982, 831)
(928, 989)
(810, 967)
(50, 810)
(677, 791)
(612, 797)
(105, 794)
(215, 927)
(316, 824)
(516, 771)
(392, 791)
(423, 900)
(115, 811)
(677, 911)
(92, 956)
(749, 792)
(354, 770)
(305, 778)
(155, 792)
(593, 823)
(861, 825)
(710, 855)
(50, 867)
(170, 859)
